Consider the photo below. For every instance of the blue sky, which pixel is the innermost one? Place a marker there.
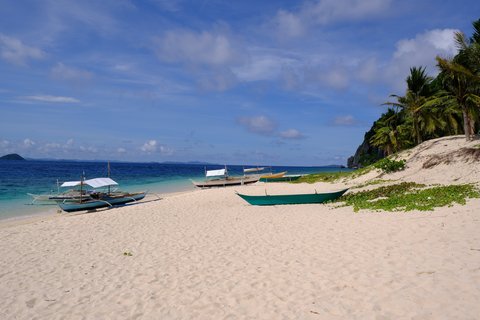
(238, 82)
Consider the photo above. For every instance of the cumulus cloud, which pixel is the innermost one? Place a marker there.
(5, 145)
(347, 120)
(420, 51)
(63, 72)
(291, 134)
(258, 124)
(149, 146)
(152, 146)
(16, 52)
(121, 150)
(27, 143)
(197, 48)
(292, 24)
(52, 99)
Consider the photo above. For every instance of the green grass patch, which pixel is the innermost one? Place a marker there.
(323, 177)
(409, 196)
(371, 183)
(333, 176)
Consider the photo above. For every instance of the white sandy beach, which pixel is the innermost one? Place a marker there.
(207, 254)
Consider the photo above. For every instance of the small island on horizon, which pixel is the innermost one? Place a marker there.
(12, 156)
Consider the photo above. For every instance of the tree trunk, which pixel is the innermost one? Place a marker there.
(466, 123)
(418, 136)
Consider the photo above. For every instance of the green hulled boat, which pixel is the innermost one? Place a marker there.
(280, 179)
(271, 200)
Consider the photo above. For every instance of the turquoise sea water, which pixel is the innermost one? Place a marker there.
(17, 178)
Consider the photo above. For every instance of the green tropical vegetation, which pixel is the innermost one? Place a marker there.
(448, 104)
(388, 165)
(409, 196)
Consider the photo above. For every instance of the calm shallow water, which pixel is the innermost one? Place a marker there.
(17, 178)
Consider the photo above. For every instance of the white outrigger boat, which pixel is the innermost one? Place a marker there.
(220, 178)
(97, 199)
(51, 198)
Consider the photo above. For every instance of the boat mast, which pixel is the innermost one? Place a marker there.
(81, 183)
(108, 174)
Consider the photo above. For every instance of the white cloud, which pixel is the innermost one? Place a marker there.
(347, 120)
(258, 124)
(16, 52)
(191, 47)
(89, 149)
(291, 134)
(63, 72)
(69, 142)
(322, 12)
(4, 143)
(327, 11)
(149, 146)
(152, 146)
(420, 51)
(27, 143)
(288, 24)
(121, 150)
(52, 99)
(166, 151)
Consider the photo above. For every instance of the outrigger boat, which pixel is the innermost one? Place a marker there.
(97, 199)
(221, 179)
(258, 170)
(53, 197)
(271, 200)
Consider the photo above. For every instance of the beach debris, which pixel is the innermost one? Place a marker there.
(127, 253)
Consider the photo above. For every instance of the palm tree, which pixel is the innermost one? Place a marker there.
(418, 90)
(461, 79)
(389, 132)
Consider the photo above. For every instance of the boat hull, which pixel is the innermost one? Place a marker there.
(273, 175)
(271, 200)
(103, 202)
(231, 181)
(280, 179)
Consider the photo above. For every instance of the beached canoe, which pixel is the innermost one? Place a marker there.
(271, 200)
(273, 175)
(280, 179)
(226, 182)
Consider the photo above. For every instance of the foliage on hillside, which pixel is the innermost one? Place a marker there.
(432, 107)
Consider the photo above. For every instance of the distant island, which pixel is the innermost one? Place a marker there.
(12, 156)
